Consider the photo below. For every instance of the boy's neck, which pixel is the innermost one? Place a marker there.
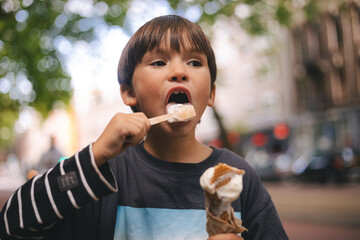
(183, 150)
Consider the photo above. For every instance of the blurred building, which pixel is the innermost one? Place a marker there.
(326, 70)
(298, 94)
(254, 86)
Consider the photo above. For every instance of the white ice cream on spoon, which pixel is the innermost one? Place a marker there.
(183, 112)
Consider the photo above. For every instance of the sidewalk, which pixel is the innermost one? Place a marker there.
(306, 231)
(337, 205)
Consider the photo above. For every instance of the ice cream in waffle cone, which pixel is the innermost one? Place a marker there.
(222, 185)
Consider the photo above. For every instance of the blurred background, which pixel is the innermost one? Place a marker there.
(288, 93)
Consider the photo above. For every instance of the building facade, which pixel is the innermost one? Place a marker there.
(326, 76)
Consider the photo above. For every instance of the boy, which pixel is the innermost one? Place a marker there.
(139, 181)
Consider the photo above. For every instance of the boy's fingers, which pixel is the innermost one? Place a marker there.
(135, 137)
(32, 173)
(124, 130)
(141, 127)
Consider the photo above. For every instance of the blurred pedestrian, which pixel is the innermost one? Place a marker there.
(50, 158)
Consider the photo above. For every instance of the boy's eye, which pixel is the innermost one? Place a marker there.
(195, 63)
(158, 63)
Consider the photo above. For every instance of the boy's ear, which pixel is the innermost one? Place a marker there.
(128, 95)
(212, 96)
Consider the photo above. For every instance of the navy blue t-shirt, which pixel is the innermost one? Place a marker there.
(155, 199)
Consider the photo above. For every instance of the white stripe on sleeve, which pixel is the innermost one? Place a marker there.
(48, 191)
(44, 228)
(69, 193)
(6, 221)
(86, 185)
(20, 209)
(5, 217)
(99, 173)
(38, 218)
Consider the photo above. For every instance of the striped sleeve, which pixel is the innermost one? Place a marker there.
(36, 206)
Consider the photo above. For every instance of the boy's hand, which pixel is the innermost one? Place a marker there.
(225, 236)
(123, 131)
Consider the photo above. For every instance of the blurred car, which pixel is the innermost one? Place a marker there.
(270, 166)
(325, 167)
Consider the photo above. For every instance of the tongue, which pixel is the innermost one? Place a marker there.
(170, 107)
(173, 107)
(181, 113)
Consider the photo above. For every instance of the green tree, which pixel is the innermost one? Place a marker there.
(32, 71)
(31, 66)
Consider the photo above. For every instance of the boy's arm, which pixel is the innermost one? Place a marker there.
(45, 199)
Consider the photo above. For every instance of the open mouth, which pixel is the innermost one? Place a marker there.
(178, 97)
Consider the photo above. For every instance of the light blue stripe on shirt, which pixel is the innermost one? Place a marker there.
(160, 224)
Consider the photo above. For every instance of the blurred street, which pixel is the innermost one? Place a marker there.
(288, 98)
(315, 211)
(310, 211)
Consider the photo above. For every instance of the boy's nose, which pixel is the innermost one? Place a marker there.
(179, 78)
(178, 74)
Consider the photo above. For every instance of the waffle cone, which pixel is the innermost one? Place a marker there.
(213, 203)
(222, 169)
(220, 215)
(215, 225)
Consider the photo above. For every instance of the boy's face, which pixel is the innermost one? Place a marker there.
(165, 76)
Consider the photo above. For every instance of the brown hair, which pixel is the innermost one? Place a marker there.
(150, 36)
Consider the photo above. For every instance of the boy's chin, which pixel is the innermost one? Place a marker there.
(180, 129)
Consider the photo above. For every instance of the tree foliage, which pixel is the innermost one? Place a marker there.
(32, 71)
